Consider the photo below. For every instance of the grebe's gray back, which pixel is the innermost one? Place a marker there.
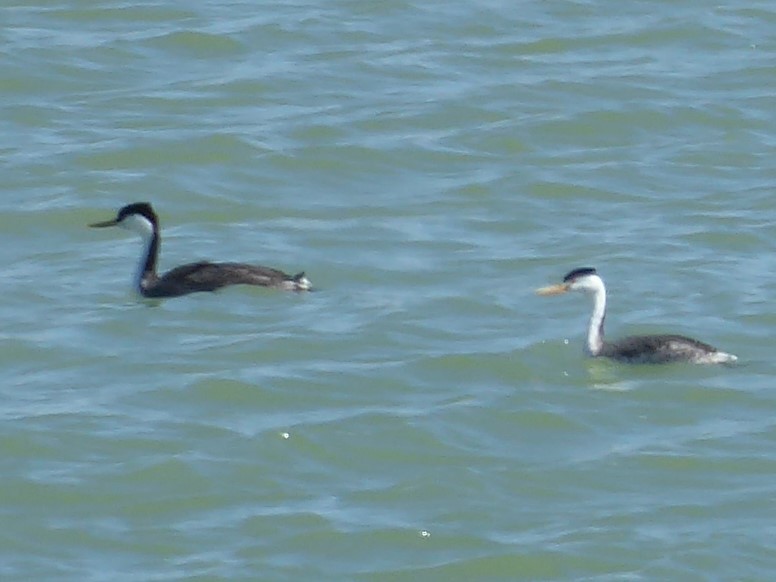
(655, 349)
(140, 218)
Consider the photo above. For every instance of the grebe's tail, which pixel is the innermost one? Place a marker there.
(298, 282)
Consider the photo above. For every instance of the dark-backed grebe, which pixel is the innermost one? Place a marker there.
(654, 349)
(140, 217)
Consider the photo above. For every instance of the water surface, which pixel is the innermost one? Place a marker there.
(423, 415)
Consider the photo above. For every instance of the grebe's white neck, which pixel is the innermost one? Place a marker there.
(595, 330)
(147, 265)
(594, 285)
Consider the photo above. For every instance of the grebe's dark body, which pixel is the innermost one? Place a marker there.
(662, 349)
(140, 217)
(652, 349)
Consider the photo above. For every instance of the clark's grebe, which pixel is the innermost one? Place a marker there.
(140, 218)
(654, 349)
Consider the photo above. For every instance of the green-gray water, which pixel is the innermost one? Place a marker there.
(423, 415)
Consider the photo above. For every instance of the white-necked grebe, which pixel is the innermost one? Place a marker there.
(654, 349)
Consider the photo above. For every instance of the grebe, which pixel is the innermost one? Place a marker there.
(653, 349)
(140, 217)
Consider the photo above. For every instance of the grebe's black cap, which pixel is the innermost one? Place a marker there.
(577, 273)
(143, 209)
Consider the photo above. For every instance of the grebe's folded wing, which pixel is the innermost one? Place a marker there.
(207, 276)
(657, 348)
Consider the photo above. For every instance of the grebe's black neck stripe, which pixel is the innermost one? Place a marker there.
(581, 272)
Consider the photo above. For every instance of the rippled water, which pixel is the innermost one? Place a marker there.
(423, 415)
